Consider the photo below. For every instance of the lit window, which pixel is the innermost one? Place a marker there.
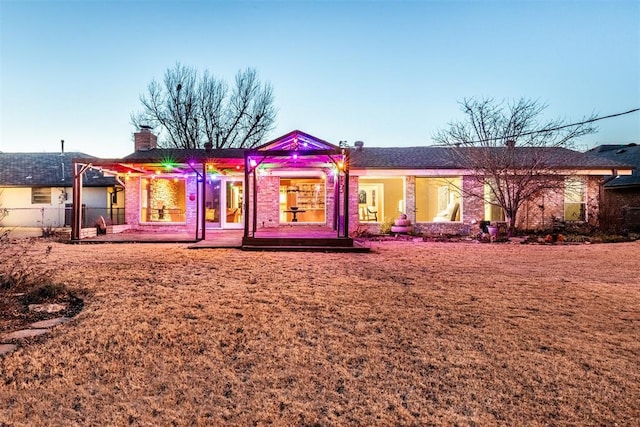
(41, 196)
(575, 191)
(302, 200)
(492, 209)
(163, 200)
(380, 199)
(438, 199)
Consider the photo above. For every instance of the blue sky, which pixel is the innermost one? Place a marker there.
(389, 73)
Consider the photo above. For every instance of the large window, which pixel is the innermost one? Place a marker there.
(302, 200)
(163, 200)
(575, 191)
(380, 199)
(492, 209)
(40, 196)
(438, 199)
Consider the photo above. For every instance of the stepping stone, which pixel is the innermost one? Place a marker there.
(47, 308)
(24, 333)
(50, 323)
(7, 348)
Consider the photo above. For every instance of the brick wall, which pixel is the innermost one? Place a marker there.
(330, 201)
(410, 198)
(268, 198)
(144, 140)
(132, 201)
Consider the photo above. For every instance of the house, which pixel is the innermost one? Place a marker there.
(300, 180)
(36, 188)
(621, 198)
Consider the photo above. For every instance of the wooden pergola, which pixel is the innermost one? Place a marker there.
(297, 150)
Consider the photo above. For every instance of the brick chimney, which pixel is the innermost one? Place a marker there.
(144, 140)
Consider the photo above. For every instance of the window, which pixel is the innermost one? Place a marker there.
(163, 200)
(492, 209)
(380, 199)
(302, 199)
(575, 191)
(438, 199)
(41, 196)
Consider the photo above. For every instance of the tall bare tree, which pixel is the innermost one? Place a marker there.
(191, 109)
(511, 150)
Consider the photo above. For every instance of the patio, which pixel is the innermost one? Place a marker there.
(286, 238)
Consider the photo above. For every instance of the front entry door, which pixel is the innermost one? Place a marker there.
(224, 203)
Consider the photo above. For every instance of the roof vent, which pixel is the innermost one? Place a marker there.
(359, 145)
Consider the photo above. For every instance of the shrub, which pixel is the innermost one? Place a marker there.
(20, 265)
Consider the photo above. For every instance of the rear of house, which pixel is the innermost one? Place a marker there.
(299, 180)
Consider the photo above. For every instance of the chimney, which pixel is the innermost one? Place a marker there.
(144, 140)
(359, 145)
(61, 146)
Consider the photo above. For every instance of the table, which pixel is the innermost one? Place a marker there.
(295, 213)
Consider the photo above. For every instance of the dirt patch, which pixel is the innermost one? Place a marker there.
(20, 309)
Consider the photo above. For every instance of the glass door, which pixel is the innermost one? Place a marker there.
(212, 205)
(232, 214)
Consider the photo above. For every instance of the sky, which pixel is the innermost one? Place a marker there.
(389, 73)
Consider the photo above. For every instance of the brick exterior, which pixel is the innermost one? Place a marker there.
(410, 198)
(144, 140)
(530, 217)
(353, 203)
(132, 201)
(268, 205)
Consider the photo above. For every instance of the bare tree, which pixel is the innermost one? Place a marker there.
(511, 150)
(191, 109)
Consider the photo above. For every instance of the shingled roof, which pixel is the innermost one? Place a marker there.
(628, 154)
(46, 170)
(430, 157)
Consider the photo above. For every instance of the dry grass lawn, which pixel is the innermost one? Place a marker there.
(410, 334)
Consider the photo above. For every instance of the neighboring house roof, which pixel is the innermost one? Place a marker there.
(628, 154)
(46, 170)
(430, 157)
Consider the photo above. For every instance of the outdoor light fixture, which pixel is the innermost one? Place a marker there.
(253, 163)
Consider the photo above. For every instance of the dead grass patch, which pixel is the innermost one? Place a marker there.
(411, 334)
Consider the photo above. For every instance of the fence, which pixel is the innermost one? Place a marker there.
(60, 216)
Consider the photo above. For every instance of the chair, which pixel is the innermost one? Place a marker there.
(449, 214)
(372, 210)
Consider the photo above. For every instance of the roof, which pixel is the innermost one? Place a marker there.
(430, 157)
(298, 149)
(628, 154)
(46, 170)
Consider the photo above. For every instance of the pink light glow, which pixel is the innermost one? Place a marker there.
(253, 163)
(295, 157)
